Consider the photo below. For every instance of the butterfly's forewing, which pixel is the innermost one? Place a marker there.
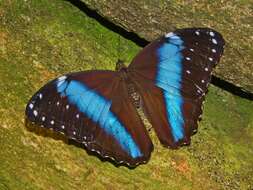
(93, 108)
(172, 75)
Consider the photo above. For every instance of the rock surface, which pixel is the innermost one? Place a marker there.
(152, 18)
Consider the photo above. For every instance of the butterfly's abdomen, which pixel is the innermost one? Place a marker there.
(134, 95)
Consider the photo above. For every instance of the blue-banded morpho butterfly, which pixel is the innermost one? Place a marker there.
(168, 80)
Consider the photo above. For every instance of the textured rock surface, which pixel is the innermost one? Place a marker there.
(40, 40)
(151, 18)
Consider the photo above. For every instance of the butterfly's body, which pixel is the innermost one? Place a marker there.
(167, 79)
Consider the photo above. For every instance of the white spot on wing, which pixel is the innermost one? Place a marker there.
(210, 59)
(31, 106)
(74, 133)
(67, 106)
(77, 116)
(188, 58)
(168, 35)
(191, 49)
(189, 72)
(52, 122)
(62, 78)
(214, 41)
(63, 127)
(211, 34)
(43, 118)
(35, 113)
(58, 103)
(40, 96)
(214, 50)
(206, 69)
(197, 32)
(202, 81)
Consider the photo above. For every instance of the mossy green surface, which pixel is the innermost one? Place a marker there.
(40, 40)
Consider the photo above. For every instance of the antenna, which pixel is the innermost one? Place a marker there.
(119, 48)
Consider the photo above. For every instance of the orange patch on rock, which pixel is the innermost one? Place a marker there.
(181, 166)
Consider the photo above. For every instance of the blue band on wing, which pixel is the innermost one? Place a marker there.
(169, 78)
(97, 108)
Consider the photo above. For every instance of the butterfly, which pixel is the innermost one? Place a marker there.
(168, 80)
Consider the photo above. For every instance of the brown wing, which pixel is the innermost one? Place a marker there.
(172, 75)
(93, 108)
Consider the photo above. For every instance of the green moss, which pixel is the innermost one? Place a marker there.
(43, 39)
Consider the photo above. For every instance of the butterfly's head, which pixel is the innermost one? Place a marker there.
(120, 65)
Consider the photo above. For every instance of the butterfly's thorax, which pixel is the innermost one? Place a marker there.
(123, 73)
(131, 88)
